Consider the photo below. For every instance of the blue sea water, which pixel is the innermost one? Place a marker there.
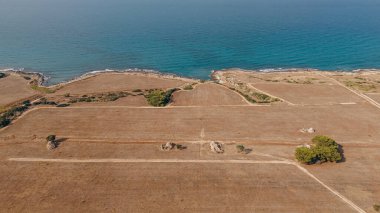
(66, 38)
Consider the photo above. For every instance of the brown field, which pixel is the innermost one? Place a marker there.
(110, 82)
(374, 96)
(207, 95)
(109, 160)
(14, 88)
(161, 187)
(309, 93)
(345, 123)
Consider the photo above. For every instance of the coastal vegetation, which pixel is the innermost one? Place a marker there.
(188, 87)
(323, 149)
(7, 116)
(159, 98)
(103, 97)
(42, 89)
(2, 75)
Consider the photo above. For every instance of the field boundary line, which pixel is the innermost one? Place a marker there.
(368, 99)
(119, 160)
(343, 198)
(259, 90)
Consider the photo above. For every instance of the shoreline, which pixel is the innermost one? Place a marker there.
(44, 79)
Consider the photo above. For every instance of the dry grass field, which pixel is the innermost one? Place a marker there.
(108, 158)
(207, 95)
(14, 88)
(345, 123)
(110, 82)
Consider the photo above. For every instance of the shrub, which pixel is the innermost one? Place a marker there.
(26, 103)
(66, 95)
(137, 90)
(305, 155)
(159, 98)
(188, 87)
(2, 75)
(4, 122)
(376, 207)
(50, 138)
(63, 105)
(240, 148)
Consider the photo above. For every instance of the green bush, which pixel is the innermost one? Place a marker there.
(188, 87)
(4, 122)
(50, 138)
(159, 98)
(324, 149)
(240, 148)
(305, 155)
(2, 75)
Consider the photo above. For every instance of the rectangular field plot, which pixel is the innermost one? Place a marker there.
(345, 123)
(309, 93)
(161, 187)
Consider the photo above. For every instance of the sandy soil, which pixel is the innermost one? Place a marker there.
(110, 82)
(14, 88)
(208, 94)
(374, 96)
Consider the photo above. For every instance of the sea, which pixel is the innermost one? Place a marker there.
(64, 39)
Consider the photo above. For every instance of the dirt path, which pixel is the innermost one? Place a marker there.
(288, 162)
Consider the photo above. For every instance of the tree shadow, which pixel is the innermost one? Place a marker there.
(247, 151)
(59, 141)
(341, 151)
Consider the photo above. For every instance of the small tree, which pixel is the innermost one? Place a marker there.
(50, 138)
(324, 149)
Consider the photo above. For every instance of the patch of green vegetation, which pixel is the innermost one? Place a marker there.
(159, 98)
(104, 97)
(2, 75)
(247, 97)
(361, 85)
(240, 148)
(188, 87)
(8, 115)
(42, 89)
(324, 149)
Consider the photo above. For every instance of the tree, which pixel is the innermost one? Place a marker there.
(305, 155)
(50, 138)
(324, 149)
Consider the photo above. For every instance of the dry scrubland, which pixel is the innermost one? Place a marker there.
(264, 111)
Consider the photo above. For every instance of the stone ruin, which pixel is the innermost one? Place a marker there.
(51, 145)
(170, 146)
(307, 130)
(216, 147)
